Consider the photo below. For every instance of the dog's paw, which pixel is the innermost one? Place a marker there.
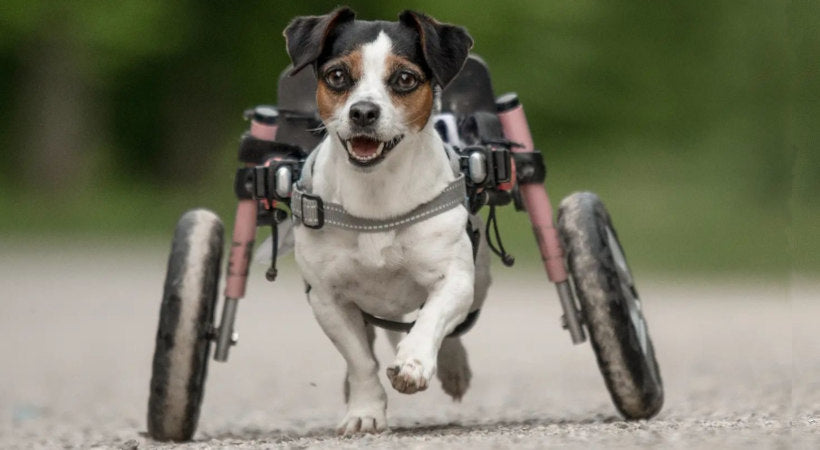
(453, 368)
(410, 376)
(365, 420)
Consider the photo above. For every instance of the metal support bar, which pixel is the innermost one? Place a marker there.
(226, 337)
(572, 317)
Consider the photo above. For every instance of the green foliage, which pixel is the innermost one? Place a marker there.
(693, 120)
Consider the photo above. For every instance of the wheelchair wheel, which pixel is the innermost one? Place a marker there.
(610, 306)
(185, 322)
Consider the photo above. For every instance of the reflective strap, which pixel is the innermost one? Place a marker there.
(311, 211)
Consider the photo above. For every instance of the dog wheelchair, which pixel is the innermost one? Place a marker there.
(581, 252)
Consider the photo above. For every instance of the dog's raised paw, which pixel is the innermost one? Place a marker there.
(356, 422)
(409, 377)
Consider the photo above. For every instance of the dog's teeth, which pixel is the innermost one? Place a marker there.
(376, 154)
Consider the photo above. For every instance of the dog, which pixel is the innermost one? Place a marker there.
(378, 85)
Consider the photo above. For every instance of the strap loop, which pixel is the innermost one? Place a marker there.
(309, 209)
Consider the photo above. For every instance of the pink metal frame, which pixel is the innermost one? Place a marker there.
(244, 229)
(536, 200)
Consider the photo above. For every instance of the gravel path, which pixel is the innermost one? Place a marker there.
(740, 362)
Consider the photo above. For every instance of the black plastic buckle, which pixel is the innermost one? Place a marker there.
(261, 184)
(316, 218)
(529, 167)
(497, 164)
(502, 165)
(244, 183)
(253, 183)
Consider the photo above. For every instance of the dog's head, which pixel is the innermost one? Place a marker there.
(376, 80)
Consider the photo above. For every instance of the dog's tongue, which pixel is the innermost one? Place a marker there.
(364, 146)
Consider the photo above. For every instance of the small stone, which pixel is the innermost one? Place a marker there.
(130, 444)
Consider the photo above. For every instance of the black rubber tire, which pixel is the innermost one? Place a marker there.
(610, 306)
(185, 322)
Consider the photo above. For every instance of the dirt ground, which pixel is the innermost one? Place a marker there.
(740, 361)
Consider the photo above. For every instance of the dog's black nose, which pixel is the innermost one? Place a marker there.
(364, 113)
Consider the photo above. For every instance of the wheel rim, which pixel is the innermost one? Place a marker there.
(633, 301)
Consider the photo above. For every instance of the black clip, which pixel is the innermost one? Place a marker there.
(529, 167)
(244, 183)
(260, 182)
(502, 165)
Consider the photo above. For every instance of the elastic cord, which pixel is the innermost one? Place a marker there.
(506, 258)
(271, 273)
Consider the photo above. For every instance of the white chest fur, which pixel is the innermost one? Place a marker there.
(386, 274)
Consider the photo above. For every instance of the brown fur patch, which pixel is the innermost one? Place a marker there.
(329, 101)
(417, 105)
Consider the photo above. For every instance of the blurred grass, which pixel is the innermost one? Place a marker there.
(694, 121)
(674, 213)
(673, 216)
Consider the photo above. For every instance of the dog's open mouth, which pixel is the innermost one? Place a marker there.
(366, 151)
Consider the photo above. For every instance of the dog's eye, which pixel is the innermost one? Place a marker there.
(405, 81)
(337, 79)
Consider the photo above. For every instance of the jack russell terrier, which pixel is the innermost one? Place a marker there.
(382, 165)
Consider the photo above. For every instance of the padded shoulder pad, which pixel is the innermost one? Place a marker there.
(471, 91)
(299, 122)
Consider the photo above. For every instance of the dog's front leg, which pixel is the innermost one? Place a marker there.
(448, 303)
(344, 325)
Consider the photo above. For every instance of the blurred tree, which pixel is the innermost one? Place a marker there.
(57, 114)
(704, 107)
(160, 83)
(64, 56)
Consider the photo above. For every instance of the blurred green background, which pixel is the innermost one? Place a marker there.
(694, 120)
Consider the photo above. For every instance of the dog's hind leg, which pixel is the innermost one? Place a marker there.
(453, 368)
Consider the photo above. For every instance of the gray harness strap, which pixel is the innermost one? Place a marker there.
(313, 212)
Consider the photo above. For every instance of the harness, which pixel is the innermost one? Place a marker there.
(485, 169)
(313, 212)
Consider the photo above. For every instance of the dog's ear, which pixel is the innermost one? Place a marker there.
(305, 36)
(445, 46)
